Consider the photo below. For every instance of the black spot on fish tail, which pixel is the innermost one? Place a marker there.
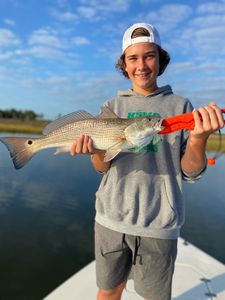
(19, 150)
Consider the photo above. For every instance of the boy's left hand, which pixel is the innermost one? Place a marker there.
(208, 119)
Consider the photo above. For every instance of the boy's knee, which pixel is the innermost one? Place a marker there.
(114, 293)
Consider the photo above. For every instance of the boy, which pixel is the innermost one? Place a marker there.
(139, 204)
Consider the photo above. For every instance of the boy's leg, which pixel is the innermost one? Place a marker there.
(114, 294)
(113, 262)
(154, 267)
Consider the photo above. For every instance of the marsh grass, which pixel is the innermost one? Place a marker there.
(18, 126)
(216, 142)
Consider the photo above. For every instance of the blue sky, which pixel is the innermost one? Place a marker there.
(58, 56)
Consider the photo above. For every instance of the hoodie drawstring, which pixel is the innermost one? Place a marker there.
(137, 245)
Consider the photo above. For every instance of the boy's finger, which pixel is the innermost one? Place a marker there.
(197, 119)
(84, 146)
(90, 146)
(73, 148)
(219, 114)
(79, 144)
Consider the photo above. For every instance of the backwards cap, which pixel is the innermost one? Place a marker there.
(152, 38)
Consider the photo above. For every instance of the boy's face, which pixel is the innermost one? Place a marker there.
(142, 66)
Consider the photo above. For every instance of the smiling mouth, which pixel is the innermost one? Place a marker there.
(143, 75)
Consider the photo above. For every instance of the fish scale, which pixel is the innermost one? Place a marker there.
(111, 132)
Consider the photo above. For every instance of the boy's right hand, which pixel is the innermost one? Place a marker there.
(83, 145)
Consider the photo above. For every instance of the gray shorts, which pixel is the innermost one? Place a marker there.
(149, 261)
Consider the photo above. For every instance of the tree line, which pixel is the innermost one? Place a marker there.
(20, 114)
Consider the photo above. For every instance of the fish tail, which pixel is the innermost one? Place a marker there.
(21, 149)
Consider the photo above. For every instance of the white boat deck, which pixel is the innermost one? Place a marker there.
(197, 276)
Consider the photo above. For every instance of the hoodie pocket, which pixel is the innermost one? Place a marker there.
(161, 214)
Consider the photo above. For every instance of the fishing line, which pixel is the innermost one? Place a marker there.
(219, 151)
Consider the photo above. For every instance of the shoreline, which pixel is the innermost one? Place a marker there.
(19, 126)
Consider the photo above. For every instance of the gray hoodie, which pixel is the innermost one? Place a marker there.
(141, 193)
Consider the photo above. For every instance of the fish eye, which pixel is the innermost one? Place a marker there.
(29, 142)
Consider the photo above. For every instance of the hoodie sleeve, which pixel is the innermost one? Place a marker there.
(190, 177)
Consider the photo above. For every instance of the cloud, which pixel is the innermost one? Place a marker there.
(44, 52)
(202, 21)
(43, 37)
(108, 6)
(168, 16)
(66, 16)
(211, 7)
(99, 9)
(87, 11)
(48, 81)
(210, 39)
(203, 33)
(191, 66)
(7, 55)
(40, 52)
(61, 2)
(79, 40)
(9, 22)
(207, 38)
(201, 82)
(79, 89)
(4, 74)
(94, 10)
(8, 38)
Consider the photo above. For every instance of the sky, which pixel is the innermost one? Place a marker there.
(59, 56)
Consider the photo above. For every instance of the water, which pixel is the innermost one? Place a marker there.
(47, 217)
(205, 211)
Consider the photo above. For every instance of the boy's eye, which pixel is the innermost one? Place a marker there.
(132, 58)
(150, 56)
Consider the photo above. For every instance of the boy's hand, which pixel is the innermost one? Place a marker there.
(84, 145)
(208, 119)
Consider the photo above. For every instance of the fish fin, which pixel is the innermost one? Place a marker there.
(64, 120)
(110, 154)
(61, 150)
(113, 151)
(21, 149)
(107, 113)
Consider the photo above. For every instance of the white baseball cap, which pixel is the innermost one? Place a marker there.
(152, 38)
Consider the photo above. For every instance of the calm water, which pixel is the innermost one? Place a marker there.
(47, 216)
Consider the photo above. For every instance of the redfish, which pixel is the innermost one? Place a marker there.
(108, 132)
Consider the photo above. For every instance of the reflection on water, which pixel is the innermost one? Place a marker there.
(46, 221)
(205, 207)
(47, 215)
